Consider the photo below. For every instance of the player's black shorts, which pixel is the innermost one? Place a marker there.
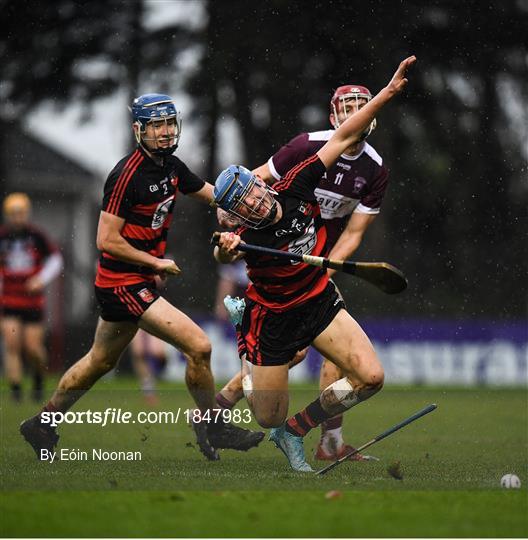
(35, 315)
(125, 303)
(271, 339)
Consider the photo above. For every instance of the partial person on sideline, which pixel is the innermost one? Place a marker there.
(29, 262)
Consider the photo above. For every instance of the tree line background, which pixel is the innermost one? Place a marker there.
(454, 216)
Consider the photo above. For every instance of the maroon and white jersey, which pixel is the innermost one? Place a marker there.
(353, 184)
(277, 285)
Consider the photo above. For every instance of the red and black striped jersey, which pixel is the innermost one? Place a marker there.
(143, 194)
(22, 255)
(301, 229)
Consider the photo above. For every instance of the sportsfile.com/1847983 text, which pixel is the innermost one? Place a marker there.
(113, 415)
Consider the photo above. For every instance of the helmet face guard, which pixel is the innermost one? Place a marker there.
(158, 110)
(345, 94)
(242, 194)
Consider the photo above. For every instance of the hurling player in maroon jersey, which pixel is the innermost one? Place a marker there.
(28, 262)
(138, 202)
(290, 306)
(350, 194)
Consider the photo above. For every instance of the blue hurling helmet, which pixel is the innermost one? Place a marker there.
(232, 187)
(155, 107)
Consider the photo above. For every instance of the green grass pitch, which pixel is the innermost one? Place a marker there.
(452, 461)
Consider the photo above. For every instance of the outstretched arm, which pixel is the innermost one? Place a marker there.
(351, 130)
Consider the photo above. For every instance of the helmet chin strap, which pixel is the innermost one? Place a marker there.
(163, 152)
(160, 152)
(272, 214)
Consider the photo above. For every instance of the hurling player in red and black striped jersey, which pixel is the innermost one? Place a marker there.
(138, 202)
(349, 193)
(28, 262)
(290, 306)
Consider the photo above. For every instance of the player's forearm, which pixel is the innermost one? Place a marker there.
(264, 173)
(118, 247)
(345, 246)
(352, 129)
(205, 194)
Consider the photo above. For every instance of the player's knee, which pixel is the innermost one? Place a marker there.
(371, 382)
(204, 349)
(101, 361)
(200, 354)
(375, 378)
(267, 419)
(270, 411)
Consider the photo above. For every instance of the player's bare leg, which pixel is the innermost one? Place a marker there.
(168, 323)
(332, 446)
(145, 377)
(269, 397)
(12, 338)
(33, 338)
(269, 400)
(111, 339)
(147, 350)
(165, 321)
(233, 392)
(345, 344)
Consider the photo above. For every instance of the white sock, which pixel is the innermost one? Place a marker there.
(148, 386)
(332, 440)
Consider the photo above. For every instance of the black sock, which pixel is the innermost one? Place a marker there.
(310, 417)
(37, 381)
(224, 402)
(16, 391)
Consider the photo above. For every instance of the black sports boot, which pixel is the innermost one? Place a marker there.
(39, 436)
(200, 428)
(226, 435)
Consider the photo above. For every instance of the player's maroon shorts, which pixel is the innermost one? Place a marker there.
(35, 315)
(269, 338)
(125, 303)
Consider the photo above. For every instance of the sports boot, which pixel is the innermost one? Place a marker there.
(292, 447)
(200, 429)
(40, 436)
(226, 435)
